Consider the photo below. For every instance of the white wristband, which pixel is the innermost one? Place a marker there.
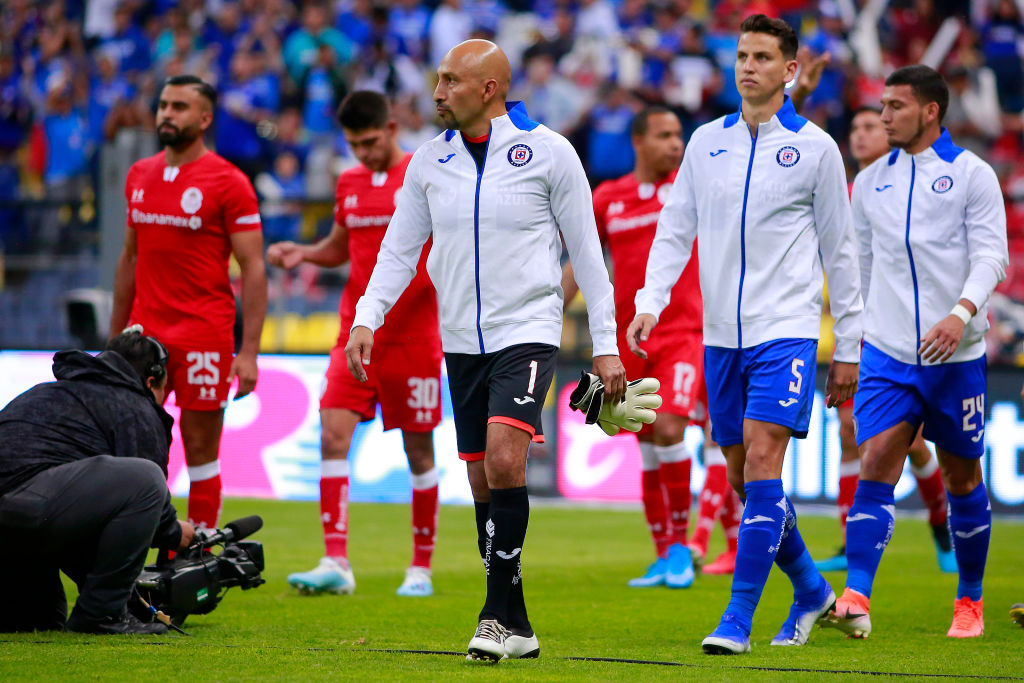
(961, 312)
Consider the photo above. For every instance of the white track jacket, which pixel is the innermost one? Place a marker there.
(766, 212)
(932, 231)
(496, 246)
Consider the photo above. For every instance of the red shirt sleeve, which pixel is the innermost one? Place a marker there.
(240, 208)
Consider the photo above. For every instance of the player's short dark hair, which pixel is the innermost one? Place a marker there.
(759, 23)
(925, 82)
(146, 355)
(364, 110)
(864, 109)
(643, 118)
(204, 88)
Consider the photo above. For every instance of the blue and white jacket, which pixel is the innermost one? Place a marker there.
(767, 211)
(932, 231)
(496, 245)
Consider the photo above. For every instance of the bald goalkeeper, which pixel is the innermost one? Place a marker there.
(494, 191)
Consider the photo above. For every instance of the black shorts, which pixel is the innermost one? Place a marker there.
(507, 386)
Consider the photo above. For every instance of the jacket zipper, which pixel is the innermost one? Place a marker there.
(743, 239)
(910, 255)
(476, 240)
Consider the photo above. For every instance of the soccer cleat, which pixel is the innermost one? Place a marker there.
(850, 615)
(947, 560)
(488, 643)
(522, 647)
(679, 567)
(723, 564)
(697, 555)
(417, 583)
(968, 619)
(836, 563)
(654, 576)
(728, 639)
(802, 617)
(1017, 613)
(328, 577)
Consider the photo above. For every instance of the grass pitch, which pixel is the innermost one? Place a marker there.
(576, 565)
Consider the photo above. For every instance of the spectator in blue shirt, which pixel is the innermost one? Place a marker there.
(356, 23)
(282, 190)
(67, 139)
(302, 46)
(15, 109)
(224, 34)
(247, 101)
(128, 42)
(107, 88)
(408, 21)
(1000, 38)
(609, 147)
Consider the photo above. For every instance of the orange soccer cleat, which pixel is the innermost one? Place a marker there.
(850, 615)
(968, 618)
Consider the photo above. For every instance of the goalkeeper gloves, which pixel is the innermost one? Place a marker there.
(631, 413)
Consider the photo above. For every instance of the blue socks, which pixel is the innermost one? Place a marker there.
(970, 525)
(794, 559)
(764, 518)
(869, 527)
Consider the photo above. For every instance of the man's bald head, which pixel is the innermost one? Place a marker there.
(473, 83)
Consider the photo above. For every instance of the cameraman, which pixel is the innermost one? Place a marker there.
(83, 468)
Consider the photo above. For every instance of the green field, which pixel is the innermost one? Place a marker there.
(576, 565)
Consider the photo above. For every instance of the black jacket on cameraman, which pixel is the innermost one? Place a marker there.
(97, 406)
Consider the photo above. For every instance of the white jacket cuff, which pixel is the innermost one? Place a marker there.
(366, 318)
(605, 343)
(847, 350)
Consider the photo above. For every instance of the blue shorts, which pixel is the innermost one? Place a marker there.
(772, 382)
(948, 398)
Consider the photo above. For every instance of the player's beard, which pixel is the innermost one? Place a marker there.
(171, 136)
(913, 139)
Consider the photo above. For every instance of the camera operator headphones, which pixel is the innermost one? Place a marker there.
(158, 368)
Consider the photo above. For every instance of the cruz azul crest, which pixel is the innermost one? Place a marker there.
(788, 156)
(519, 155)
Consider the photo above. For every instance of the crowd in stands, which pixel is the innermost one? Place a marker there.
(74, 74)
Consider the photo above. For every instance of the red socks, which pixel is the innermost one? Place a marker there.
(204, 495)
(675, 480)
(334, 507)
(712, 497)
(655, 510)
(933, 493)
(849, 474)
(424, 517)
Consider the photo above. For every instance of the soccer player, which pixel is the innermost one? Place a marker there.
(406, 377)
(189, 211)
(932, 230)
(626, 210)
(494, 191)
(868, 142)
(763, 191)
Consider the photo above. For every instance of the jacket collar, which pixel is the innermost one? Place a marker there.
(514, 119)
(785, 117)
(944, 148)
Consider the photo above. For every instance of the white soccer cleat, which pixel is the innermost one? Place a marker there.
(417, 583)
(488, 643)
(328, 577)
(522, 647)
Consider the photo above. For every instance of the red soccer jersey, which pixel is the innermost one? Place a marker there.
(627, 218)
(183, 218)
(365, 202)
